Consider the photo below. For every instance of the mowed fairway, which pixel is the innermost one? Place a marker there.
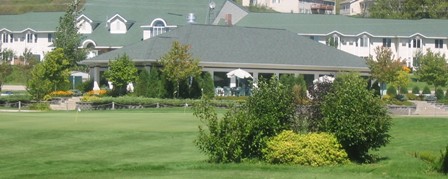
(159, 144)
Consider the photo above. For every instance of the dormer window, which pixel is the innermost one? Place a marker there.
(118, 24)
(364, 41)
(158, 26)
(31, 37)
(84, 24)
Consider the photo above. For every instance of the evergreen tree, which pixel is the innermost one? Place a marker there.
(142, 84)
(67, 36)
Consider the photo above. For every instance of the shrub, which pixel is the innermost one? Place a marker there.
(101, 92)
(61, 93)
(401, 97)
(426, 90)
(439, 94)
(416, 90)
(443, 162)
(404, 90)
(391, 91)
(40, 106)
(243, 132)
(313, 149)
(411, 96)
(359, 120)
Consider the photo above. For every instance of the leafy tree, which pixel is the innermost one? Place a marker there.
(297, 85)
(409, 9)
(5, 70)
(178, 64)
(67, 36)
(359, 120)
(7, 55)
(121, 72)
(402, 80)
(433, 69)
(439, 94)
(51, 74)
(385, 67)
(142, 84)
(426, 90)
(415, 90)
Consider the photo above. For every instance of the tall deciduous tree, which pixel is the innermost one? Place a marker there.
(67, 36)
(121, 72)
(409, 9)
(433, 69)
(51, 74)
(178, 64)
(385, 66)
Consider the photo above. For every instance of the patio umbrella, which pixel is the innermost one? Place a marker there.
(324, 78)
(239, 73)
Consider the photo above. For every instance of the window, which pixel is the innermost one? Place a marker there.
(387, 42)
(364, 41)
(416, 43)
(439, 43)
(50, 37)
(5, 38)
(30, 38)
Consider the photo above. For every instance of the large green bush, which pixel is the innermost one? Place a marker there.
(243, 132)
(426, 90)
(359, 120)
(416, 90)
(439, 94)
(404, 90)
(391, 91)
(443, 162)
(313, 149)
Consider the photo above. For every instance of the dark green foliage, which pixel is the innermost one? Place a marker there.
(67, 36)
(156, 83)
(439, 94)
(443, 163)
(312, 149)
(142, 84)
(359, 120)
(207, 85)
(243, 132)
(313, 115)
(416, 90)
(391, 91)
(432, 68)
(411, 96)
(297, 85)
(404, 90)
(5, 70)
(426, 90)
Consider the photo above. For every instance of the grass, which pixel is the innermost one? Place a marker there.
(23, 6)
(158, 143)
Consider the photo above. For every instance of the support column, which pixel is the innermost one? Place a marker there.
(316, 76)
(96, 74)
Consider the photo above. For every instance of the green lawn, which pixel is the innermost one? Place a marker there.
(23, 6)
(159, 144)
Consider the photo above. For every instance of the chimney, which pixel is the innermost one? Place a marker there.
(228, 19)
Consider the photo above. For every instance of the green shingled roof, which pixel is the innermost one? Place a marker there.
(239, 45)
(39, 21)
(142, 12)
(325, 24)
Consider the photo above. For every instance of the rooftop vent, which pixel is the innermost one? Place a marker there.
(191, 18)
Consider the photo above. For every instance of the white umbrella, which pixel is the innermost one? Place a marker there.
(239, 73)
(130, 87)
(324, 78)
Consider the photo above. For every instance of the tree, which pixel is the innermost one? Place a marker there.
(5, 70)
(51, 74)
(384, 67)
(121, 72)
(156, 84)
(359, 120)
(207, 85)
(432, 69)
(178, 64)
(142, 84)
(67, 36)
(409, 9)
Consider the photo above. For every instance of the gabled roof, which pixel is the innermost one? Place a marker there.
(240, 46)
(82, 16)
(349, 26)
(117, 16)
